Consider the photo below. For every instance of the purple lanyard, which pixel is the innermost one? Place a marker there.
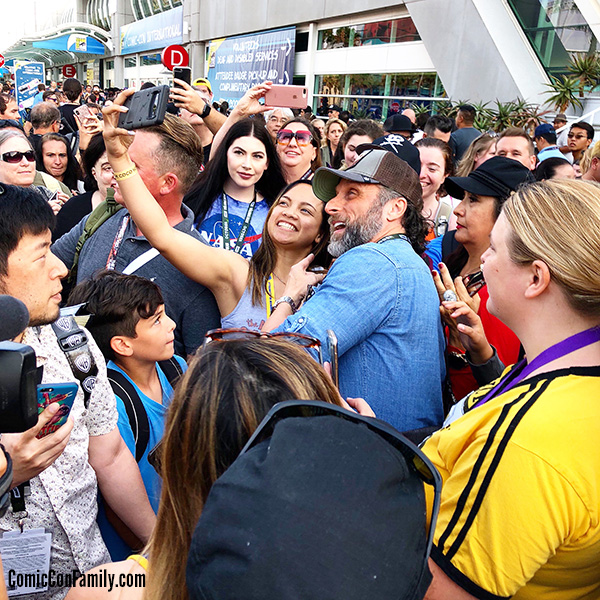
(524, 370)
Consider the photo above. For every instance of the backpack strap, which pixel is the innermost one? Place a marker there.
(172, 370)
(136, 412)
(104, 211)
(73, 342)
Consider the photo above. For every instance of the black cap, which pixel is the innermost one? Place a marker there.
(497, 177)
(335, 107)
(400, 146)
(398, 123)
(325, 508)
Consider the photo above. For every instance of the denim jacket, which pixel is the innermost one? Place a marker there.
(381, 302)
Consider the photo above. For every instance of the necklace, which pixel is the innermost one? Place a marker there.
(279, 278)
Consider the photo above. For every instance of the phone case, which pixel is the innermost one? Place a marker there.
(64, 394)
(287, 96)
(183, 73)
(146, 108)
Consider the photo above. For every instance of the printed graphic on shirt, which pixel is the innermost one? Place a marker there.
(211, 229)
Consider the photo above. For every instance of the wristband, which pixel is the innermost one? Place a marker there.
(125, 174)
(206, 111)
(288, 300)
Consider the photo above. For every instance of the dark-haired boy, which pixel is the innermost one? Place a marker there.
(135, 334)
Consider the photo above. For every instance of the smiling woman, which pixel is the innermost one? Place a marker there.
(231, 198)
(298, 150)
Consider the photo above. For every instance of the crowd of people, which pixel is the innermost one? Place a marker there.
(417, 277)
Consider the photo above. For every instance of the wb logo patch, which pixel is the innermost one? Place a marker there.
(64, 323)
(83, 362)
(88, 384)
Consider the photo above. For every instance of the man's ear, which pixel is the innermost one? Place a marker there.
(55, 126)
(539, 279)
(395, 208)
(121, 345)
(169, 184)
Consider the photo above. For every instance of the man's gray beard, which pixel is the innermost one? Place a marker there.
(358, 233)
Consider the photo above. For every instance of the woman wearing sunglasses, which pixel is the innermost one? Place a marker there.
(17, 166)
(246, 292)
(297, 142)
(519, 460)
(232, 196)
(229, 388)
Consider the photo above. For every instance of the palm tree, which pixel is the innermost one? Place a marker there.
(586, 69)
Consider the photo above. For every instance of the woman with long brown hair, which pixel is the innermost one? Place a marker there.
(227, 390)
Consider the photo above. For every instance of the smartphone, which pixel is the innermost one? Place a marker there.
(474, 282)
(332, 346)
(316, 269)
(146, 108)
(64, 394)
(84, 112)
(53, 197)
(183, 73)
(287, 96)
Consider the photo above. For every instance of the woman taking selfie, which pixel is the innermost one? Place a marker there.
(246, 292)
(232, 196)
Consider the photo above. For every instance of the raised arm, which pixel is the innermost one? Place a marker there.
(187, 97)
(247, 106)
(221, 271)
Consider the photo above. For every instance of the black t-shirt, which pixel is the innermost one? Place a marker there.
(71, 213)
(66, 112)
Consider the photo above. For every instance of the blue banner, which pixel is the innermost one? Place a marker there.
(237, 63)
(73, 43)
(153, 33)
(27, 77)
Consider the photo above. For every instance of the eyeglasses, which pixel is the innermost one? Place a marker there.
(14, 156)
(285, 136)
(572, 136)
(235, 334)
(416, 460)
(52, 99)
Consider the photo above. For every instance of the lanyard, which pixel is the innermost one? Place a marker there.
(394, 236)
(225, 218)
(523, 370)
(270, 295)
(112, 256)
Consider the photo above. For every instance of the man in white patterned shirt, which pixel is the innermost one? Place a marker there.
(62, 469)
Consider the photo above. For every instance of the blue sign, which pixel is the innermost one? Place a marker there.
(27, 77)
(237, 63)
(152, 33)
(73, 43)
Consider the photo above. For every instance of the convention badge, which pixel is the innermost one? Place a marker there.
(26, 560)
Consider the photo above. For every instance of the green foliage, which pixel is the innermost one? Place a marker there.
(586, 69)
(563, 92)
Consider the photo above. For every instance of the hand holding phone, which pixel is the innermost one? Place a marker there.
(146, 108)
(61, 393)
(183, 73)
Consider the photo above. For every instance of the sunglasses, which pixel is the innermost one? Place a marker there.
(14, 156)
(415, 459)
(285, 136)
(235, 334)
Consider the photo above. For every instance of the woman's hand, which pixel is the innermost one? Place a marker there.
(299, 280)
(249, 103)
(117, 140)
(187, 97)
(469, 330)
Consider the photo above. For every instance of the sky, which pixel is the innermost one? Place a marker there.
(25, 17)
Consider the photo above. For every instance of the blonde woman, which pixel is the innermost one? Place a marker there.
(480, 150)
(520, 461)
(334, 129)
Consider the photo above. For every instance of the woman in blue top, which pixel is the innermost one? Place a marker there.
(232, 196)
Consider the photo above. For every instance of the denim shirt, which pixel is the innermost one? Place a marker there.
(381, 302)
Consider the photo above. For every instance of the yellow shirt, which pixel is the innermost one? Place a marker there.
(521, 490)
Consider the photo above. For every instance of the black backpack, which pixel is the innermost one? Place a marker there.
(138, 417)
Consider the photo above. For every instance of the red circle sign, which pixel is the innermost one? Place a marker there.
(395, 106)
(1, 60)
(69, 71)
(175, 56)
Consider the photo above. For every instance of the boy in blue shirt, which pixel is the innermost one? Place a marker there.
(129, 323)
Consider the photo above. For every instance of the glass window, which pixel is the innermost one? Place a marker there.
(150, 59)
(555, 29)
(369, 34)
(110, 64)
(301, 41)
(130, 61)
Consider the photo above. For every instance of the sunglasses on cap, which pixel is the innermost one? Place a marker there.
(14, 156)
(416, 460)
(285, 136)
(237, 334)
